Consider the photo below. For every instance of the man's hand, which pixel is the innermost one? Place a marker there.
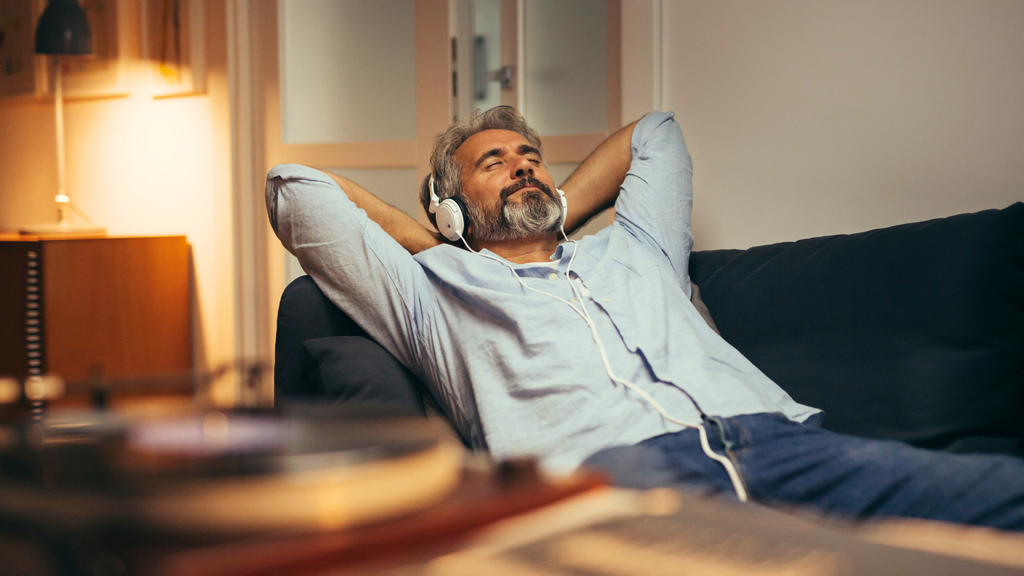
(412, 235)
(594, 186)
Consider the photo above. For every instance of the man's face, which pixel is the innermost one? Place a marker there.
(509, 190)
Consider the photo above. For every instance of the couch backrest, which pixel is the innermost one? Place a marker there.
(913, 332)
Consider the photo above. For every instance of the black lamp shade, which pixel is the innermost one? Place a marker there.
(63, 29)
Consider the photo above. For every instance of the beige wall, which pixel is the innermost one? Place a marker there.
(815, 117)
(140, 166)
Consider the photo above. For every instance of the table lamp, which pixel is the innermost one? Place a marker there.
(63, 30)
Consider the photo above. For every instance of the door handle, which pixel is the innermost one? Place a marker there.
(481, 75)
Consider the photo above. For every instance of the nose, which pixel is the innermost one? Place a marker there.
(522, 167)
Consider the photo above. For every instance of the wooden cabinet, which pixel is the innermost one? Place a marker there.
(82, 308)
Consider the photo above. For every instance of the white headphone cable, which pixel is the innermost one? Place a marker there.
(730, 468)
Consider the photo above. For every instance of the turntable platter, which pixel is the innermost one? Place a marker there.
(220, 472)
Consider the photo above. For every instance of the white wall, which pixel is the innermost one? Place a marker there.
(816, 117)
(140, 166)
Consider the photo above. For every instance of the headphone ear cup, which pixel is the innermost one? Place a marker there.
(565, 205)
(451, 218)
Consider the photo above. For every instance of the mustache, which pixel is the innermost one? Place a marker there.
(524, 182)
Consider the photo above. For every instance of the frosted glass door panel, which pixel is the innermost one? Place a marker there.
(348, 70)
(566, 73)
(486, 53)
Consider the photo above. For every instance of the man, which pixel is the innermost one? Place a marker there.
(592, 351)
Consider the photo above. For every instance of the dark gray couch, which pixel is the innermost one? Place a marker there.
(913, 332)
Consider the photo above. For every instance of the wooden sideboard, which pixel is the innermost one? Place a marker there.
(86, 308)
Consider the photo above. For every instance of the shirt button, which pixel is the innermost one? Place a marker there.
(606, 300)
(553, 276)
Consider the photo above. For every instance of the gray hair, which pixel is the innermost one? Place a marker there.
(447, 172)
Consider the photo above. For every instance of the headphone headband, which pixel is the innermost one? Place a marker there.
(433, 195)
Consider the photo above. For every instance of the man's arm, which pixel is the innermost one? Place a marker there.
(412, 235)
(657, 194)
(353, 261)
(594, 185)
(591, 188)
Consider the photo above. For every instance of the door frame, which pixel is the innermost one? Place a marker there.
(258, 256)
(253, 70)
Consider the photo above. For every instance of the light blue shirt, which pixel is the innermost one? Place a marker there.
(517, 372)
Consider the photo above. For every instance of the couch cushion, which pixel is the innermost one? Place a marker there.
(357, 370)
(305, 313)
(914, 332)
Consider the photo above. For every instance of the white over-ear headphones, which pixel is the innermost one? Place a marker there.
(449, 215)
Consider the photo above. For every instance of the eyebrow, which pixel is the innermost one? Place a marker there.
(522, 149)
(526, 149)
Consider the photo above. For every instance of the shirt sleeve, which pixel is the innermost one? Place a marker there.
(657, 195)
(356, 264)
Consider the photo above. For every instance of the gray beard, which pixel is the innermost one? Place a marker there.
(535, 213)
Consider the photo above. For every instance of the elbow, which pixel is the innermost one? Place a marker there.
(271, 197)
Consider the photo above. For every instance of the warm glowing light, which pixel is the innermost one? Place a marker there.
(44, 388)
(10, 390)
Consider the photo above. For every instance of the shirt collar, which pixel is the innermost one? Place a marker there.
(561, 255)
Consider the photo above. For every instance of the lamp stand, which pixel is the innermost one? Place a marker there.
(63, 201)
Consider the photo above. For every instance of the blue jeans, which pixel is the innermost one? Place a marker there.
(783, 462)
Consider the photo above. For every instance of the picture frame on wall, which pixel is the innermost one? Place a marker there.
(103, 74)
(17, 45)
(173, 47)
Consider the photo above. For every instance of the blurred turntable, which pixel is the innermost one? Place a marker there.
(87, 490)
